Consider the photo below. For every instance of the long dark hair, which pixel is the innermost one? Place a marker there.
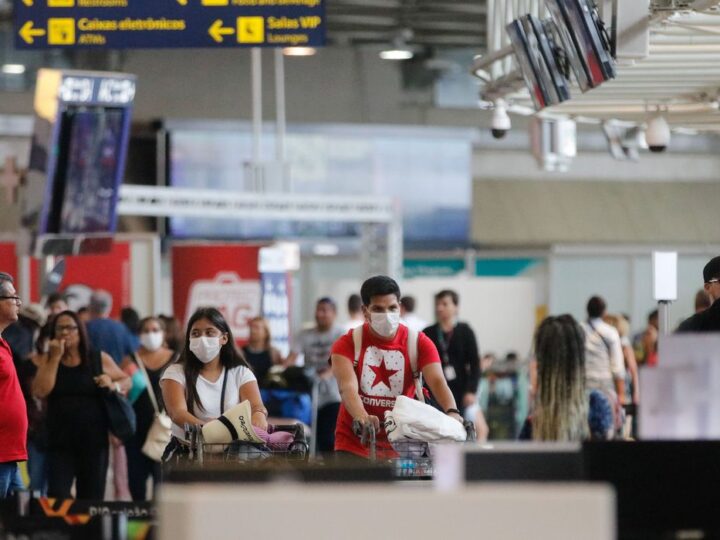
(230, 357)
(561, 408)
(84, 343)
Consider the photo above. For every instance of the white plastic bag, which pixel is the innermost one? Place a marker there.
(411, 419)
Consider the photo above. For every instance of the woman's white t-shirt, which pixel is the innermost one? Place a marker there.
(209, 392)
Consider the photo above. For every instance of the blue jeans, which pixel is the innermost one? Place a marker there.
(10, 480)
(37, 469)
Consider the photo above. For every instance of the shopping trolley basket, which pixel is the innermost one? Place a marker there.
(245, 452)
(415, 457)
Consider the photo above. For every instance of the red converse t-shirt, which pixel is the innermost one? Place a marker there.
(384, 373)
(13, 418)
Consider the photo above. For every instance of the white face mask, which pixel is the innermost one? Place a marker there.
(385, 324)
(205, 348)
(152, 341)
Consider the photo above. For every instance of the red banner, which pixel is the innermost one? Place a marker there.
(110, 271)
(224, 276)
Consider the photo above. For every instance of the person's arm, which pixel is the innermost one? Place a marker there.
(342, 368)
(126, 363)
(46, 376)
(173, 394)
(617, 366)
(113, 377)
(251, 392)
(276, 357)
(435, 379)
(473, 359)
(634, 376)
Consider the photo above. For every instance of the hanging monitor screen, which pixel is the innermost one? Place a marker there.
(87, 177)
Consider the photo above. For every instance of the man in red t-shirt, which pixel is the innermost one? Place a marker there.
(383, 371)
(13, 419)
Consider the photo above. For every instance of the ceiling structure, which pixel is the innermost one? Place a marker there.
(433, 23)
(679, 79)
(681, 76)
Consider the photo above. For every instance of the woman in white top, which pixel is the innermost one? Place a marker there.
(192, 387)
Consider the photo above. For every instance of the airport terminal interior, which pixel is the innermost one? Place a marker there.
(339, 269)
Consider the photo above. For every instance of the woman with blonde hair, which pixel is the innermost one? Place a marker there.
(622, 325)
(259, 352)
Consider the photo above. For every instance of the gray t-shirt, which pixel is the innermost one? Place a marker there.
(316, 346)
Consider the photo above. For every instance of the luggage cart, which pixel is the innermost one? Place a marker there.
(243, 452)
(415, 459)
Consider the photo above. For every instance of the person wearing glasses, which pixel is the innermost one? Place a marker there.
(708, 320)
(76, 419)
(13, 418)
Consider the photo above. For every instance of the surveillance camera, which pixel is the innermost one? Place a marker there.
(657, 134)
(500, 121)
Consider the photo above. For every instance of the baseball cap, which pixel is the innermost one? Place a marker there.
(712, 269)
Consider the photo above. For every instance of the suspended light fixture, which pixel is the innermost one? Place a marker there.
(13, 69)
(299, 51)
(399, 48)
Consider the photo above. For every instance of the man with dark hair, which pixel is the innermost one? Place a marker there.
(372, 377)
(708, 320)
(604, 360)
(314, 345)
(56, 303)
(13, 418)
(459, 351)
(354, 306)
(407, 314)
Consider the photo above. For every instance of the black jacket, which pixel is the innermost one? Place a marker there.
(705, 321)
(464, 355)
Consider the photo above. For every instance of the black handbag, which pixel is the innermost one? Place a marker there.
(121, 415)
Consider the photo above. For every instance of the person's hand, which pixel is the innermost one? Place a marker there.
(366, 419)
(469, 399)
(104, 381)
(457, 417)
(482, 431)
(259, 420)
(56, 349)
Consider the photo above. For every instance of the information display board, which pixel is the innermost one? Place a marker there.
(150, 24)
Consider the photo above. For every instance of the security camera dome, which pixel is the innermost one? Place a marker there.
(501, 123)
(657, 134)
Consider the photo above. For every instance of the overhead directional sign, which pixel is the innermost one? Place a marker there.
(150, 24)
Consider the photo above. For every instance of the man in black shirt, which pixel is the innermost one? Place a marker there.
(708, 320)
(456, 343)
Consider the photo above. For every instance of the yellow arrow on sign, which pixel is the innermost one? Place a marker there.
(217, 31)
(181, 2)
(28, 3)
(28, 33)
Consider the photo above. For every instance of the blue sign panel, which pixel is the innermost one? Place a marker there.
(151, 24)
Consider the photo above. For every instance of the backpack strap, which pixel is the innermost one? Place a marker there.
(357, 343)
(412, 345)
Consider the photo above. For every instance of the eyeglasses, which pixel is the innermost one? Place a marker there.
(65, 328)
(15, 299)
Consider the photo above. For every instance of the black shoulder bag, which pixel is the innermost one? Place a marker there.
(121, 415)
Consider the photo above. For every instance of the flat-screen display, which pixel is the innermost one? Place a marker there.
(585, 43)
(88, 175)
(533, 49)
